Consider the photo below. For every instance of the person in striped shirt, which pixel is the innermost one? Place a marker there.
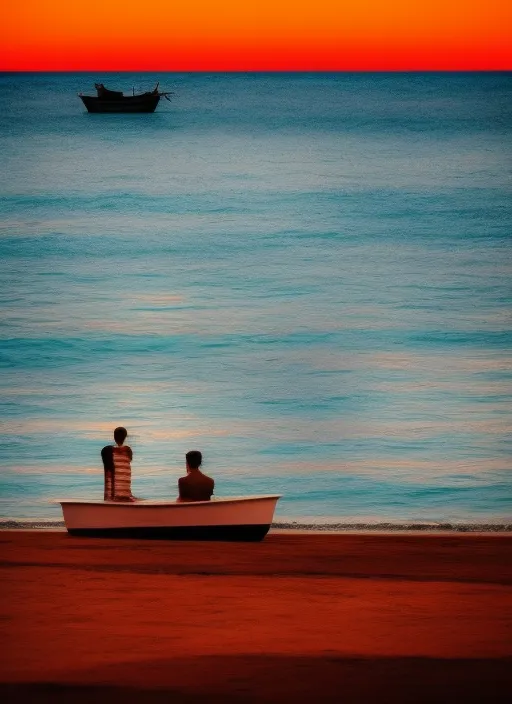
(118, 472)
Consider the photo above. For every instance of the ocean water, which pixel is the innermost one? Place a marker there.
(305, 276)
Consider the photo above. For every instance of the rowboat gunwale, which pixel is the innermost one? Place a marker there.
(144, 503)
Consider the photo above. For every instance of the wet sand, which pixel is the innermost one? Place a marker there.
(325, 618)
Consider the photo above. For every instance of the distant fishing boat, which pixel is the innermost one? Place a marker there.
(244, 518)
(115, 101)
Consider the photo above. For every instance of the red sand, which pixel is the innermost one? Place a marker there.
(331, 618)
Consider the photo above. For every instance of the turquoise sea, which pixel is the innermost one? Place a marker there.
(305, 276)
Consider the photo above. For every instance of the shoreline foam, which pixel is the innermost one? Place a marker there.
(338, 527)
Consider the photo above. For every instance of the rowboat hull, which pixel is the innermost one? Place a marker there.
(136, 103)
(242, 519)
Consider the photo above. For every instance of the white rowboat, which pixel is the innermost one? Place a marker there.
(245, 518)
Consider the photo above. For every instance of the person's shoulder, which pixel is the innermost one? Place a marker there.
(107, 450)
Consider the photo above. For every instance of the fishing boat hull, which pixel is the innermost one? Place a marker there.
(239, 519)
(130, 104)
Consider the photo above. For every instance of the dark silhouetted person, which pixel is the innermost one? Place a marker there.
(195, 486)
(118, 472)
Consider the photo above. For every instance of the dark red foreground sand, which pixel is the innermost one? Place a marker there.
(297, 618)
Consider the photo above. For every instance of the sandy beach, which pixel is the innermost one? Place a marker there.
(298, 617)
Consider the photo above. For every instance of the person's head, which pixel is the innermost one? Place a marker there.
(120, 435)
(194, 459)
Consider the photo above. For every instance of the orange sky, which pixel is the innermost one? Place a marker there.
(255, 35)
